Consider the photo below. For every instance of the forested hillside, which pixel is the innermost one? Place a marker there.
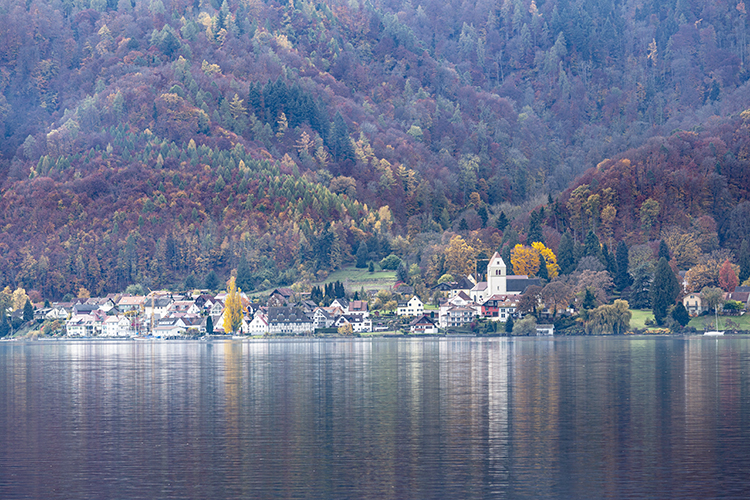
(155, 141)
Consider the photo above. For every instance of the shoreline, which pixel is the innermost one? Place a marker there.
(385, 335)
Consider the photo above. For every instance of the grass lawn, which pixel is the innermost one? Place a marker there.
(702, 323)
(639, 317)
(356, 278)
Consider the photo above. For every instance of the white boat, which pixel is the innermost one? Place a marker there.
(714, 333)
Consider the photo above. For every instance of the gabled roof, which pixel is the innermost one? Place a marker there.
(84, 308)
(287, 315)
(358, 306)
(422, 320)
(322, 312)
(520, 283)
(342, 301)
(284, 292)
(502, 298)
(354, 318)
(464, 284)
(308, 305)
(132, 300)
(444, 287)
(461, 308)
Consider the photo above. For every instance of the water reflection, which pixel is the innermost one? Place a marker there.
(376, 418)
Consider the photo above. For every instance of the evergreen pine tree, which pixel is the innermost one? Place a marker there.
(680, 314)
(502, 222)
(509, 325)
(664, 290)
(566, 258)
(482, 213)
(506, 258)
(608, 259)
(640, 293)
(622, 277)
(244, 275)
(664, 250)
(591, 246)
(209, 326)
(535, 227)
(4, 325)
(362, 254)
(543, 273)
(28, 311)
(371, 267)
(589, 299)
(744, 261)
(402, 273)
(339, 142)
(212, 281)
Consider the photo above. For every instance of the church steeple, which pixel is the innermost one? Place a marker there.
(496, 275)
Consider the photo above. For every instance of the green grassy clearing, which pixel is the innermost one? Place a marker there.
(639, 317)
(702, 323)
(361, 278)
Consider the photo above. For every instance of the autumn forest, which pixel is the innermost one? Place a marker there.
(159, 142)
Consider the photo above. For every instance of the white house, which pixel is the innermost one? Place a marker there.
(131, 303)
(359, 323)
(117, 326)
(217, 308)
(413, 307)
(545, 330)
(479, 293)
(219, 324)
(288, 320)
(259, 324)
(183, 306)
(322, 318)
(170, 327)
(455, 316)
(85, 325)
(58, 312)
(359, 307)
(693, 304)
(157, 305)
(341, 303)
(423, 324)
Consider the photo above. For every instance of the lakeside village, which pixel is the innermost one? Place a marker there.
(496, 303)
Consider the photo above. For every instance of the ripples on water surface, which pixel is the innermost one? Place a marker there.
(376, 419)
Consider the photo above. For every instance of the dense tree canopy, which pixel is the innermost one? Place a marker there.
(161, 142)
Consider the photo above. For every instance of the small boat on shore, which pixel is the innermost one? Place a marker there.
(717, 332)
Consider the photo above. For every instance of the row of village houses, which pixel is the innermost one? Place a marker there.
(168, 315)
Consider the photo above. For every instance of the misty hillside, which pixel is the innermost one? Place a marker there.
(155, 141)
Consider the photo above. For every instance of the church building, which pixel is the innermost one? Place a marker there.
(499, 283)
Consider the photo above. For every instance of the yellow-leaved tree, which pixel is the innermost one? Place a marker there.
(525, 260)
(460, 257)
(549, 257)
(232, 308)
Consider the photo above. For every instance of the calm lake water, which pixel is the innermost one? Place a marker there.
(376, 419)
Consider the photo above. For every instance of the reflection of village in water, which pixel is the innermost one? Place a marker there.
(309, 412)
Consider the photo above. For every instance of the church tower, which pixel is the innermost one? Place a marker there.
(496, 275)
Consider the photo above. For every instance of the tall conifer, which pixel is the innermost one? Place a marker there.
(664, 290)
